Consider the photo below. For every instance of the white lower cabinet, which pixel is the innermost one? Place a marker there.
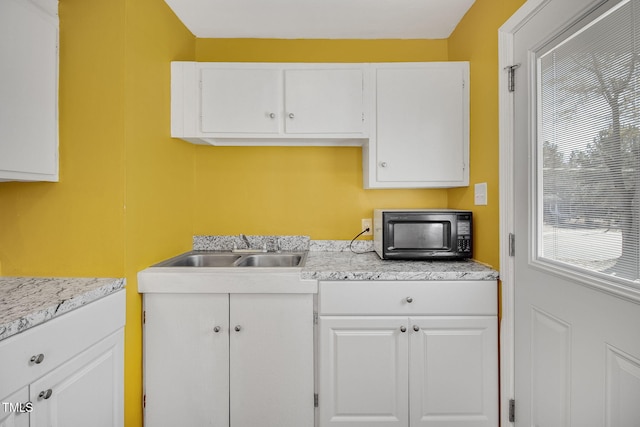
(69, 371)
(239, 360)
(394, 364)
(15, 409)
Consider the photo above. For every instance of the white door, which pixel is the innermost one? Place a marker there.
(421, 123)
(15, 409)
(186, 359)
(271, 360)
(363, 371)
(324, 101)
(577, 293)
(85, 391)
(241, 100)
(453, 368)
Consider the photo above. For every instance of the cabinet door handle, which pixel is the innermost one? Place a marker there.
(416, 328)
(291, 115)
(216, 329)
(37, 359)
(409, 300)
(238, 328)
(45, 394)
(272, 115)
(403, 329)
(383, 164)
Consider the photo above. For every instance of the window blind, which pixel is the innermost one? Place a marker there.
(588, 146)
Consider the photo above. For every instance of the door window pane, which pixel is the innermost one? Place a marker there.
(589, 147)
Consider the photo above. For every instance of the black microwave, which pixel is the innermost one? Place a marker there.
(423, 234)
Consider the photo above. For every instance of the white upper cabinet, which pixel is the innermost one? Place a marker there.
(411, 119)
(422, 126)
(267, 104)
(28, 90)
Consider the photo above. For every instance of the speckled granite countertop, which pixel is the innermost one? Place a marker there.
(343, 260)
(368, 266)
(26, 302)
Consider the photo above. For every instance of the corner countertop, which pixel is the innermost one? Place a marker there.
(26, 302)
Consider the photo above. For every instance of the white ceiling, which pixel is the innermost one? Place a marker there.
(321, 19)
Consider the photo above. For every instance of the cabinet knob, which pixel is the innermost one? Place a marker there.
(383, 164)
(272, 115)
(238, 328)
(416, 328)
(37, 359)
(45, 394)
(403, 328)
(216, 329)
(409, 300)
(291, 115)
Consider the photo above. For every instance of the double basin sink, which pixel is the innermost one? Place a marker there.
(233, 259)
(228, 272)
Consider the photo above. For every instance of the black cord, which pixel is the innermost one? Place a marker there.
(353, 240)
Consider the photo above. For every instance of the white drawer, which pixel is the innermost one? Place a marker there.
(408, 298)
(58, 340)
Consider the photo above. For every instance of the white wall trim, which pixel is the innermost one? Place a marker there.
(507, 215)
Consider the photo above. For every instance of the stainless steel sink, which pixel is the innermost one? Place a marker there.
(194, 259)
(229, 259)
(271, 260)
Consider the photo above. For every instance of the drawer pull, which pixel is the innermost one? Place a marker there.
(45, 394)
(403, 329)
(409, 300)
(416, 328)
(37, 359)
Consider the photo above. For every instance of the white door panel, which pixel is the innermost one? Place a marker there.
(183, 378)
(573, 340)
(453, 378)
(357, 389)
(271, 334)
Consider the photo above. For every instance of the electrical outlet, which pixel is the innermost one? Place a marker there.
(366, 223)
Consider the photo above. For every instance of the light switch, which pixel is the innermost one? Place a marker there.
(480, 193)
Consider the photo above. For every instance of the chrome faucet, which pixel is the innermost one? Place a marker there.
(245, 240)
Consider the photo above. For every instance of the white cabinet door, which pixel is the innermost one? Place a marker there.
(324, 101)
(269, 103)
(422, 126)
(238, 360)
(271, 363)
(28, 92)
(363, 371)
(241, 100)
(453, 372)
(85, 391)
(186, 359)
(15, 409)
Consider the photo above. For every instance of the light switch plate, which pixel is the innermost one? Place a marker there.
(480, 193)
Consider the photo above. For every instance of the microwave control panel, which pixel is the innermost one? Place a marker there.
(464, 233)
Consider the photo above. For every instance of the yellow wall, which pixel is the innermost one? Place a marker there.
(159, 170)
(315, 191)
(130, 195)
(475, 39)
(125, 194)
(76, 227)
